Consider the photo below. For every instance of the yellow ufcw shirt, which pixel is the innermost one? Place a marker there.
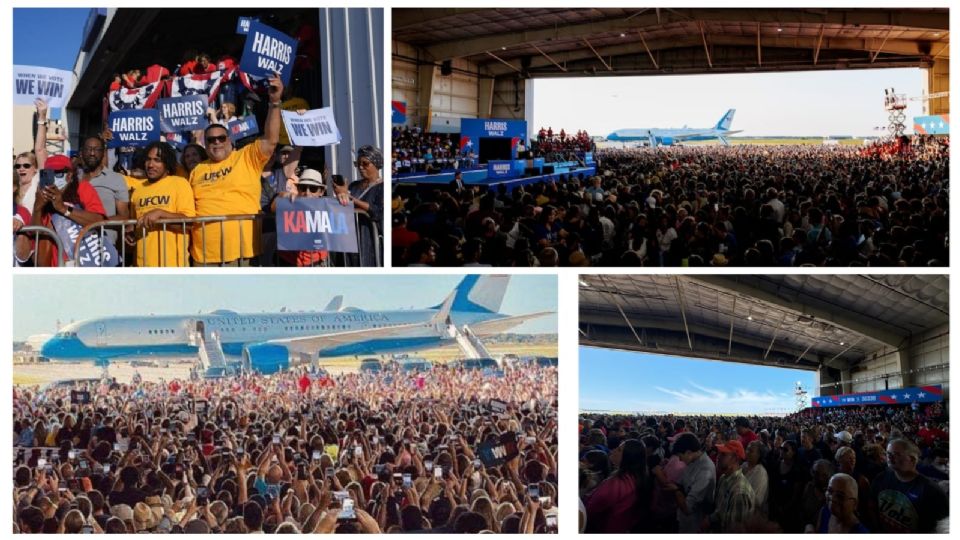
(229, 187)
(159, 247)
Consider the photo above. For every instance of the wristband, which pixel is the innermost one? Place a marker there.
(42, 123)
(275, 104)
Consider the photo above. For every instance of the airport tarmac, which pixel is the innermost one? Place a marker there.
(47, 372)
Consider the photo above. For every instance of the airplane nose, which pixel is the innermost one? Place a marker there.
(61, 347)
(51, 348)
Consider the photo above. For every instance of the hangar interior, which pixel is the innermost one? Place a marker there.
(481, 63)
(859, 333)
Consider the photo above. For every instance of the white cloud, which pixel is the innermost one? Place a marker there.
(704, 396)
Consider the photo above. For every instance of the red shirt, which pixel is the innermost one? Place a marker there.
(304, 384)
(748, 437)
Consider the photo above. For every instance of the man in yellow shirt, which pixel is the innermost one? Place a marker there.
(162, 196)
(228, 183)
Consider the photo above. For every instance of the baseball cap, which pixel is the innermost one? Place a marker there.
(732, 447)
(285, 148)
(310, 177)
(844, 437)
(57, 162)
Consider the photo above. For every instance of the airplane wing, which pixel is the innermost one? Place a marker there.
(437, 323)
(335, 303)
(498, 326)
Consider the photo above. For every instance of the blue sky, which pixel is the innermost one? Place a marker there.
(82, 297)
(808, 103)
(47, 37)
(637, 382)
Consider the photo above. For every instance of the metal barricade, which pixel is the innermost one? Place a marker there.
(365, 227)
(38, 230)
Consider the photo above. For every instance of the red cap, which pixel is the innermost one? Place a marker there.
(733, 447)
(57, 162)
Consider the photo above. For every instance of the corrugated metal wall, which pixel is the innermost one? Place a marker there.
(351, 64)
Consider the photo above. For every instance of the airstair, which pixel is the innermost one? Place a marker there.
(469, 343)
(210, 353)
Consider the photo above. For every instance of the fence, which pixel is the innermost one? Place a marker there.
(38, 230)
(365, 227)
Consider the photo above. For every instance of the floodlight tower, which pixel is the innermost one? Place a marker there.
(895, 104)
(801, 396)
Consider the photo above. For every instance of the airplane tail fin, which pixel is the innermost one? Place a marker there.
(335, 304)
(727, 120)
(479, 293)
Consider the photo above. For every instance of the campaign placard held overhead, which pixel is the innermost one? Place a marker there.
(315, 225)
(134, 127)
(312, 128)
(32, 82)
(183, 113)
(243, 24)
(268, 50)
(243, 128)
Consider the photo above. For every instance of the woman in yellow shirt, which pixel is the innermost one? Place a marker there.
(162, 196)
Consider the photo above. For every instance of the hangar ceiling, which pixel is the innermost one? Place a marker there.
(796, 321)
(551, 42)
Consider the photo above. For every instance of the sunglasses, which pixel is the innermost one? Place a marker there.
(22, 166)
(311, 189)
(60, 172)
(216, 139)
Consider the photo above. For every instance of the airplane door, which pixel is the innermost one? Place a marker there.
(101, 335)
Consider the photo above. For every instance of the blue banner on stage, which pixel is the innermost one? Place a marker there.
(185, 113)
(134, 127)
(932, 125)
(243, 128)
(901, 396)
(268, 50)
(321, 224)
(474, 129)
(399, 115)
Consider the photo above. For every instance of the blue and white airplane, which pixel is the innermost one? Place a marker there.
(265, 342)
(667, 137)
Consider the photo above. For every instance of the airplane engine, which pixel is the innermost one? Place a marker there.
(266, 358)
(666, 141)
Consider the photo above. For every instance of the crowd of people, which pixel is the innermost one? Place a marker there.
(759, 206)
(417, 152)
(561, 146)
(880, 469)
(299, 452)
(196, 174)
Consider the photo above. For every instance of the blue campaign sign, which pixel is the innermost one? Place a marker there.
(500, 169)
(243, 128)
(185, 113)
(901, 396)
(134, 127)
(268, 50)
(243, 24)
(320, 224)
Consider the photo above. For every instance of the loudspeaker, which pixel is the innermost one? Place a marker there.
(548, 169)
(531, 171)
(446, 68)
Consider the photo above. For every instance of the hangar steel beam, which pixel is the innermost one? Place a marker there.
(611, 319)
(818, 44)
(862, 326)
(929, 19)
